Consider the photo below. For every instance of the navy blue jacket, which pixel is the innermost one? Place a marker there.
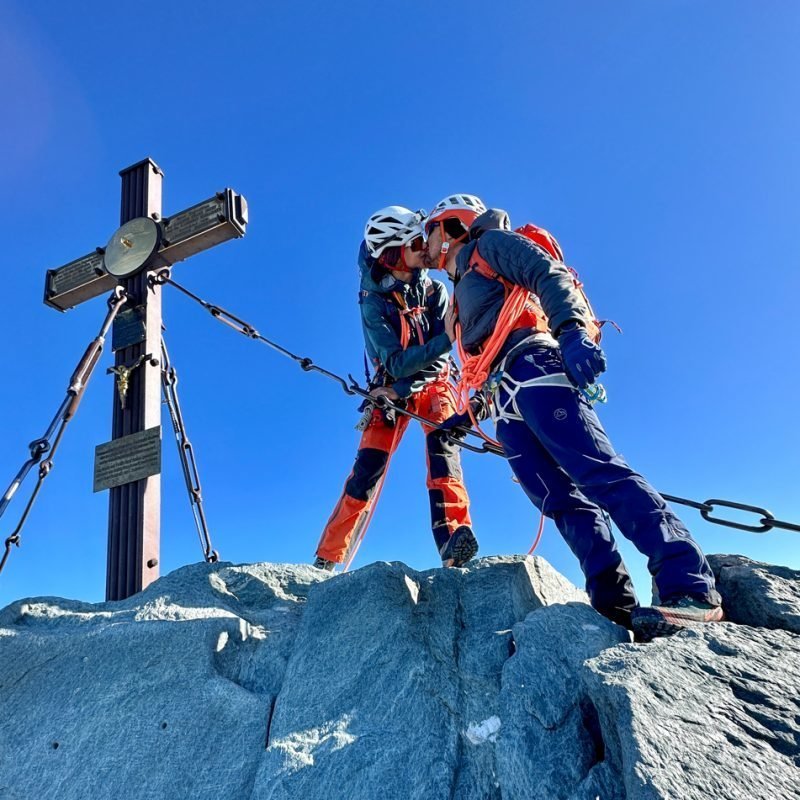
(521, 262)
(421, 362)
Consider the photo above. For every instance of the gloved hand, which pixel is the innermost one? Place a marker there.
(480, 410)
(583, 359)
(456, 421)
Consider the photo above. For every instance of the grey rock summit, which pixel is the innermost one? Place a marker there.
(280, 682)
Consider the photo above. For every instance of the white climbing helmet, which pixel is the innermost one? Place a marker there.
(392, 226)
(465, 207)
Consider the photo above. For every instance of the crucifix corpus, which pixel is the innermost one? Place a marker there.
(130, 464)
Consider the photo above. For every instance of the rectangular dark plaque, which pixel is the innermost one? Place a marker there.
(128, 329)
(67, 286)
(127, 459)
(200, 227)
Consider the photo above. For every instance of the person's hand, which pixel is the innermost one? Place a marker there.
(385, 391)
(455, 421)
(583, 359)
(450, 319)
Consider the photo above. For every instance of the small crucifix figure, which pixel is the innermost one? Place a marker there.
(144, 242)
(123, 374)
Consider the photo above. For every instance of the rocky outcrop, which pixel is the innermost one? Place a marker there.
(279, 682)
(711, 713)
(756, 594)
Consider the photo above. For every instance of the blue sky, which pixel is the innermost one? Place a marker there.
(657, 140)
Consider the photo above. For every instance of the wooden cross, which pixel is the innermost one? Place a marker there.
(130, 464)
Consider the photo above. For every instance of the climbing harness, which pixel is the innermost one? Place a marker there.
(48, 444)
(169, 385)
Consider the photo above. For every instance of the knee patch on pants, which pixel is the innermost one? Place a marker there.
(367, 470)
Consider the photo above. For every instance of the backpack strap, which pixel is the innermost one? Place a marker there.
(532, 316)
(407, 314)
(477, 263)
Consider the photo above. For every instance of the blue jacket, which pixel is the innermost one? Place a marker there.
(520, 261)
(421, 362)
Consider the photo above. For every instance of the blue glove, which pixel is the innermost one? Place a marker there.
(583, 359)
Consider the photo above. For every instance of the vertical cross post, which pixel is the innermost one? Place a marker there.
(134, 524)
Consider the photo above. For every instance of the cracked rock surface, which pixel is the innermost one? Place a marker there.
(496, 682)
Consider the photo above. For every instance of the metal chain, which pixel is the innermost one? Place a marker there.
(66, 411)
(169, 384)
(766, 519)
(349, 386)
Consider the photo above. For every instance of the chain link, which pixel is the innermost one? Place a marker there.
(766, 519)
(66, 411)
(169, 384)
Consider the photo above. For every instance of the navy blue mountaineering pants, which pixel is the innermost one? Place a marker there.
(566, 464)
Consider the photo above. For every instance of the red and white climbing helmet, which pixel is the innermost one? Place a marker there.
(464, 207)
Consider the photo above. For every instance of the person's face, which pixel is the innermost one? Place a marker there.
(434, 247)
(414, 254)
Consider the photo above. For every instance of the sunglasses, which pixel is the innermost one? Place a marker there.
(430, 227)
(417, 244)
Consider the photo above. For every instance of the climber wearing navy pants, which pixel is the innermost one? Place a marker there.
(554, 441)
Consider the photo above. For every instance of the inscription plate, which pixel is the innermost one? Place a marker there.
(194, 220)
(77, 281)
(127, 459)
(76, 273)
(127, 329)
(200, 227)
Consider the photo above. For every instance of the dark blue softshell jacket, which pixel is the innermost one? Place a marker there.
(520, 261)
(421, 362)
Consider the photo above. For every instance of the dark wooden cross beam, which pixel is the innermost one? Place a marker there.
(130, 464)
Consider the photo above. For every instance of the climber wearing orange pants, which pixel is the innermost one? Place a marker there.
(448, 496)
(402, 312)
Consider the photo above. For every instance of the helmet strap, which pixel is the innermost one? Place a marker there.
(446, 245)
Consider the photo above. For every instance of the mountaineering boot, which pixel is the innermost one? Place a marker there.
(324, 564)
(673, 616)
(459, 548)
(621, 615)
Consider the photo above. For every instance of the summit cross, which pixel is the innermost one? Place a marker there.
(130, 464)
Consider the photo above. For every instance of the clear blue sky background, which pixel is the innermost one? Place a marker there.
(657, 140)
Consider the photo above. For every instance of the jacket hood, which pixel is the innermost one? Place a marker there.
(374, 278)
(493, 219)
